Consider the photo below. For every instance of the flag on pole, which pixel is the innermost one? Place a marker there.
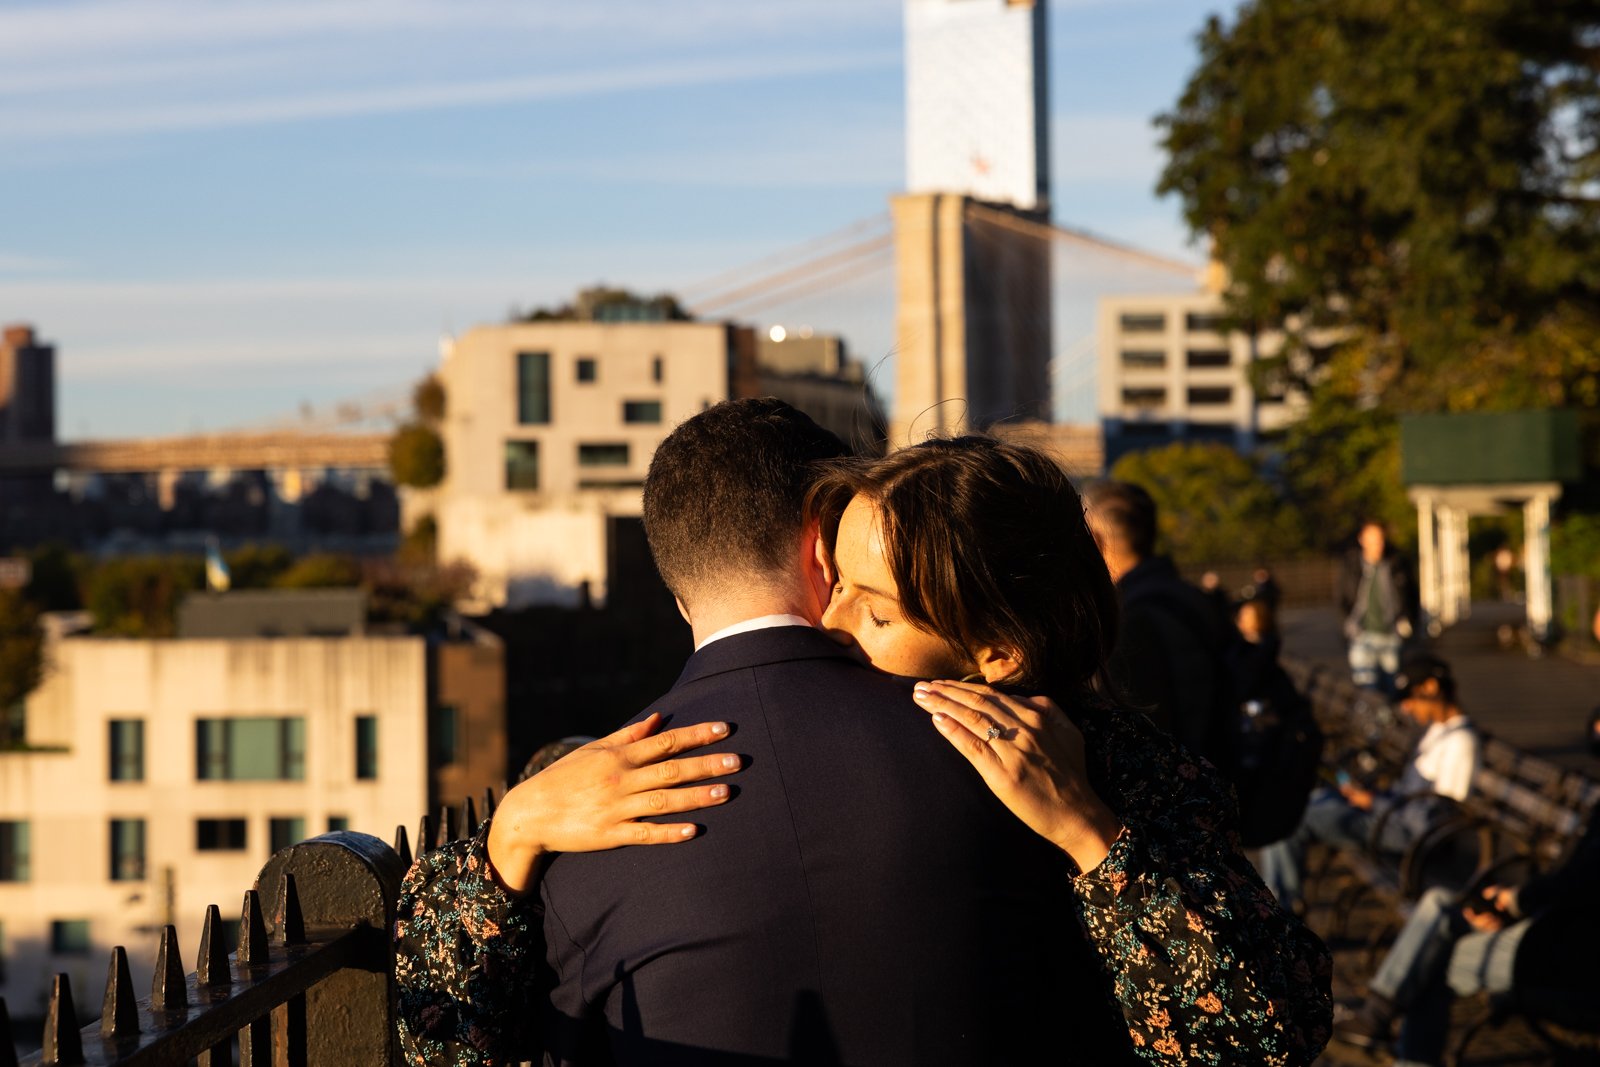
(218, 580)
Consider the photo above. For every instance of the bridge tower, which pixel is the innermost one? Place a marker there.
(973, 324)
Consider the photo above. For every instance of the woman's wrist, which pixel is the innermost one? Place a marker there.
(516, 856)
(1089, 841)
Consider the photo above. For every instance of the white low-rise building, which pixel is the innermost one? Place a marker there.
(159, 775)
(1172, 370)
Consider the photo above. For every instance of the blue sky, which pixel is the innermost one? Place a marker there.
(221, 211)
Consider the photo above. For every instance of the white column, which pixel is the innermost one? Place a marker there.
(1452, 549)
(1427, 561)
(1536, 562)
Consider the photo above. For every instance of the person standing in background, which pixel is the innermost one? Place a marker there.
(1378, 603)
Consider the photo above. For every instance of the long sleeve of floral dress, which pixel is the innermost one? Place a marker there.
(469, 962)
(1206, 967)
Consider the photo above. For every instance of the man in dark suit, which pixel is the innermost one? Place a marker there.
(864, 899)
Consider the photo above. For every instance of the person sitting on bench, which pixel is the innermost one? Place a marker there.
(1543, 934)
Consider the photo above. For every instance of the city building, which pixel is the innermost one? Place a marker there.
(973, 329)
(27, 388)
(157, 776)
(977, 104)
(549, 428)
(1171, 370)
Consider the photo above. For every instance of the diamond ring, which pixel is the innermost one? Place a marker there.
(994, 732)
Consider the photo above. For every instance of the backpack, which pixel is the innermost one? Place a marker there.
(1244, 714)
(1272, 747)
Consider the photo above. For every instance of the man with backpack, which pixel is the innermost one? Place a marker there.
(1197, 677)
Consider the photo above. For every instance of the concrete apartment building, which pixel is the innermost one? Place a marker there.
(159, 775)
(1171, 371)
(549, 429)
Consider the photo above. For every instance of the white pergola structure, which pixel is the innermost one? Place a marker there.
(1445, 581)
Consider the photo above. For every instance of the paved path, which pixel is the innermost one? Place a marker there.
(1540, 705)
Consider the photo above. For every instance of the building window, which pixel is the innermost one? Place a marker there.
(1143, 322)
(610, 483)
(533, 388)
(1210, 395)
(15, 856)
(1209, 357)
(127, 850)
(1144, 360)
(1205, 322)
(603, 455)
(127, 750)
(522, 464)
(285, 830)
(338, 823)
(1144, 398)
(69, 937)
(647, 411)
(445, 732)
(658, 370)
(250, 750)
(219, 835)
(588, 370)
(366, 747)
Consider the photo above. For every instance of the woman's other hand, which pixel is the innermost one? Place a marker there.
(1032, 757)
(593, 798)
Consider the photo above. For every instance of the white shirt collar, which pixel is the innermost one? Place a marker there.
(763, 622)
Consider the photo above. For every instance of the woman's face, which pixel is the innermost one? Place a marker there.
(865, 610)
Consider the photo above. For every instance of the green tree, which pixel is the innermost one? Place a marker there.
(1406, 187)
(321, 571)
(21, 658)
(138, 596)
(257, 566)
(428, 400)
(416, 456)
(1213, 505)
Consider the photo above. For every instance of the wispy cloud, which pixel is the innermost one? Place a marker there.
(406, 98)
(22, 263)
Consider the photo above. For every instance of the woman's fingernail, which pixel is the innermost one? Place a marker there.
(730, 761)
(688, 831)
(719, 791)
(941, 720)
(922, 687)
(719, 728)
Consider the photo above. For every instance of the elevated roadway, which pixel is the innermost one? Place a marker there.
(200, 452)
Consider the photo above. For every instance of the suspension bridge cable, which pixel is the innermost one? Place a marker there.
(709, 287)
(845, 272)
(1051, 231)
(795, 274)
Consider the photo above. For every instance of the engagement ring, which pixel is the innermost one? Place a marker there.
(994, 732)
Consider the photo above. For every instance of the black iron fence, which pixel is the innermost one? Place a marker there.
(310, 978)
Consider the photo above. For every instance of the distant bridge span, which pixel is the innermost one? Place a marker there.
(201, 452)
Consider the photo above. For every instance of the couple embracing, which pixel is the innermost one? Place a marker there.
(1005, 869)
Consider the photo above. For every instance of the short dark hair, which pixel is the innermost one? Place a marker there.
(1127, 512)
(988, 546)
(1421, 666)
(725, 492)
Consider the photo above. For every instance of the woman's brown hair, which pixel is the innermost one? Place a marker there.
(988, 545)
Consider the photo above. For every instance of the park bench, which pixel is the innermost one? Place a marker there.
(1522, 814)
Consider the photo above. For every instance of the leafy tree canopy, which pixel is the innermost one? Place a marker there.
(1418, 169)
(602, 303)
(1408, 187)
(416, 456)
(1213, 505)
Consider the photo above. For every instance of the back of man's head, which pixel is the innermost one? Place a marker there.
(724, 495)
(1123, 514)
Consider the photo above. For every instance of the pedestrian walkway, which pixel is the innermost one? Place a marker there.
(1539, 705)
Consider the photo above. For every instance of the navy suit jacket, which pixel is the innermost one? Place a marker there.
(863, 899)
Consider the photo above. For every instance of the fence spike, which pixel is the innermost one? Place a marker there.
(169, 992)
(447, 826)
(425, 834)
(8, 1046)
(252, 931)
(469, 819)
(488, 801)
(289, 925)
(402, 846)
(211, 967)
(119, 1012)
(63, 1045)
